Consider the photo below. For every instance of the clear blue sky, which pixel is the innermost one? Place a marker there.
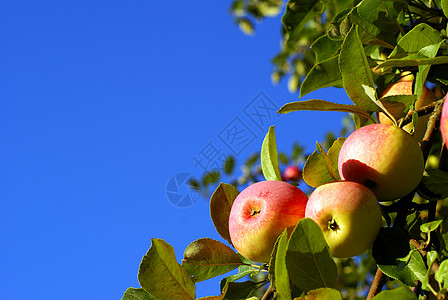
(101, 104)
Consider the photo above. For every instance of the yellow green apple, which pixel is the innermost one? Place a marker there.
(384, 158)
(348, 214)
(260, 213)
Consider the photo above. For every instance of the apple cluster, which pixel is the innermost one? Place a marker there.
(373, 168)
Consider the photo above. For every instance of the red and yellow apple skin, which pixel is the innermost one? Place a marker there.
(292, 173)
(348, 214)
(444, 122)
(405, 88)
(384, 158)
(259, 215)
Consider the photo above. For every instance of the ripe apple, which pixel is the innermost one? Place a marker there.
(384, 158)
(396, 109)
(444, 122)
(292, 173)
(348, 214)
(259, 215)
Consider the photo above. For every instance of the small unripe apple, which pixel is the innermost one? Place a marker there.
(348, 214)
(292, 173)
(444, 122)
(396, 109)
(384, 158)
(259, 215)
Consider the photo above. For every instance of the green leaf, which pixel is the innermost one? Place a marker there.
(317, 167)
(308, 258)
(321, 105)
(411, 61)
(297, 15)
(283, 158)
(325, 48)
(436, 181)
(371, 93)
(269, 157)
(356, 71)
(431, 257)
(162, 276)
(328, 162)
(322, 75)
(137, 294)
(243, 271)
(229, 165)
(430, 226)
(206, 258)
(220, 206)
(442, 274)
(391, 245)
(417, 38)
(444, 4)
(241, 290)
(401, 293)
(322, 294)
(281, 283)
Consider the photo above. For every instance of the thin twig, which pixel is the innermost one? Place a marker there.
(425, 110)
(377, 284)
(269, 294)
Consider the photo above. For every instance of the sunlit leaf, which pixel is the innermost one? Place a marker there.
(162, 276)
(400, 293)
(356, 71)
(308, 259)
(206, 258)
(137, 294)
(269, 157)
(321, 105)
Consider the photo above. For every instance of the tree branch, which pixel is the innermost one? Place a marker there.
(425, 110)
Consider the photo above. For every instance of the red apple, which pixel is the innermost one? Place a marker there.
(259, 215)
(292, 173)
(384, 158)
(348, 214)
(396, 109)
(444, 122)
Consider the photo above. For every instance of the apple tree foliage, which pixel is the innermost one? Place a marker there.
(362, 47)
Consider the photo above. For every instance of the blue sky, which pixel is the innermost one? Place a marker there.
(101, 104)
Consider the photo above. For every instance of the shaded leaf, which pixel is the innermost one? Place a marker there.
(220, 206)
(297, 14)
(137, 294)
(206, 258)
(162, 276)
(436, 182)
(308, 258)
(269, 157)
(243, 271)
(391, 245)
(321, 105)
(241, 290)
(356, 71)
(322, 75)
(401, 293)
(322, 294)
(325, 48)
